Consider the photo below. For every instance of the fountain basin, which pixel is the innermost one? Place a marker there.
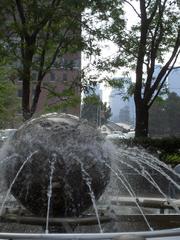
(59, 157)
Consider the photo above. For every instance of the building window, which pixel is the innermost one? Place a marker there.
(68, 63)
(77, 64)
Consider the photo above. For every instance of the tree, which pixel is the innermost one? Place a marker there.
(158, 119)
(105, 113)
(145, 45)
(9, 103)
(165, 116)
(95, 111)
(37, 34)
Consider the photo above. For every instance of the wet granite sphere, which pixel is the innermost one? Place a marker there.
(58, 157)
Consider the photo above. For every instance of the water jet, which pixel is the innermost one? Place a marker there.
(68, 149)
(58, 167)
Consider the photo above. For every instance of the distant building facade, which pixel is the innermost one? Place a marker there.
(174, 81)
(122, 110)
(58, 79)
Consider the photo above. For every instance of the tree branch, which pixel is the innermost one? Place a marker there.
(156, 40)
(166, 66)
(56, 51)
(21, 11)
(141, 51)
(133, 8)
(47, 18)
(22, 17)
(164, 79)
(153, 12)
(40, 73)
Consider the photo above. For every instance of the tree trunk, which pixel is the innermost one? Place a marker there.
(26, 95)
(26, 78)
(36, 97)
(142, 120)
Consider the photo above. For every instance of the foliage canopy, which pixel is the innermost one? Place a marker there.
(154, 39)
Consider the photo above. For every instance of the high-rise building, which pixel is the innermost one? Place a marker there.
(119, 106)
(174, 81)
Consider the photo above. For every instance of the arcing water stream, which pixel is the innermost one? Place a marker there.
(11, 185)
(120, 157)
(49, 191)
(134, 172)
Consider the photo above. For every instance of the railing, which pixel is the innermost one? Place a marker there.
(98, 236)
(157, 203)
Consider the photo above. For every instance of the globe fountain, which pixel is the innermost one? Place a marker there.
(57, 145)
(64, 174)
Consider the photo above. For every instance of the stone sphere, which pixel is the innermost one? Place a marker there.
(60, 158)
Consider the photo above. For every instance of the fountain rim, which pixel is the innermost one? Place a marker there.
(175, 232)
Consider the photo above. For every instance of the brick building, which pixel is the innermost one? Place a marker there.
(57, 80)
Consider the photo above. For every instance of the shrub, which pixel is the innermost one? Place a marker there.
(168, 149)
